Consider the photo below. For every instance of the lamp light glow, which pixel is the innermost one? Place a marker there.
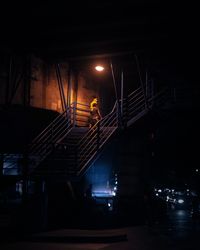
(99, 68)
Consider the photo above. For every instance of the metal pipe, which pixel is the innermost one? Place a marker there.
(122, 92)
(8, 81)
(116, 95)
(59, 86)
(14, 91)
(141, 82)
(114, 81)
(68, 86)
(1, 164)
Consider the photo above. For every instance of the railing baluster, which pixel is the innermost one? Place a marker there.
(96, 137)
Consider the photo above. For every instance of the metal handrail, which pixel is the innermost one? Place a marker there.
(41, 146)
(102, 130)
(135, 106)
(50, 125)
(86, 161)
(92, 130)
(94, 139)
(51, 137)
(87, 146)
(159, 96)
(54, 124)
(90, 138)
(136, 95)
(135, 91)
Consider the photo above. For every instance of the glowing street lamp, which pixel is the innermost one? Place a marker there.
(99, 68)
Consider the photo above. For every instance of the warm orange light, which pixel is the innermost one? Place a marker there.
(99, 68)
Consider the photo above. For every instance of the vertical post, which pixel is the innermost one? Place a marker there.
(1, 164)
(74, 114)
(28, 80)
(116, 95)
(69, 93)
(8, 80)
(69, 88)
(75, 99)
(26, 97)
(152, 91)
(62, 93)
(24, 174)
(59, 86)
(146, 82)
(122, 93)
(127, 111)
(141, 82)
(114, 81)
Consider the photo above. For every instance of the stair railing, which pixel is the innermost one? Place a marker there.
(95, 138)
(80, 113)
(134, 106)
(75, 115)
(43, 144)
(160, 98)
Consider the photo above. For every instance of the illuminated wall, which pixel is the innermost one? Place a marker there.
(44, 85)
(32, 81)
(86, 89)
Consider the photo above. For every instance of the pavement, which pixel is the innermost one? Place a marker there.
(178, 232)
(123, 238)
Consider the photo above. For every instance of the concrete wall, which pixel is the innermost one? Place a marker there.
(45, 90)
(38, 85)
(127, 155)
(3, 77)
(131, 161)
(11, 79)
(44, 85)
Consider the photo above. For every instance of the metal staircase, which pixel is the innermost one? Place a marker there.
(67, 147)
(62, 159)
(43, 144)
(92, 142)
(81, 146)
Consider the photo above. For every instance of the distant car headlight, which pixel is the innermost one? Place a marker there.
(180, 201)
